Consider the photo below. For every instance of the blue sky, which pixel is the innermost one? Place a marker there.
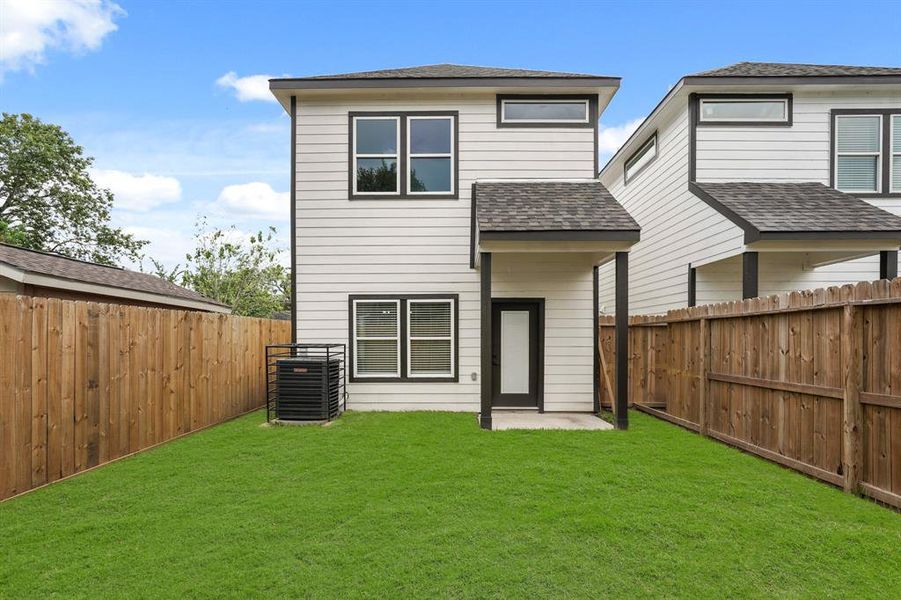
(168, 96)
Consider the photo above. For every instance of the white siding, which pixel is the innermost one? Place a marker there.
(676, 226)
(407, 246)
(564, 281)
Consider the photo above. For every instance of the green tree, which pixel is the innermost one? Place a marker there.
(242, 272)
(47, 199)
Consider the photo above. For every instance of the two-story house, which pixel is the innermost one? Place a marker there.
(761, 178)
(448, 226)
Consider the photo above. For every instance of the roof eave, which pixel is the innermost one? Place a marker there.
(307, 83)
(729, 80)
(582, 235)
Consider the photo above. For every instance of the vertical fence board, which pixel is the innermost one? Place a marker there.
(8, 423)
(39, 342)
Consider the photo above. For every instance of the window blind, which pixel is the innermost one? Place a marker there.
(430, 334)
(857, 145)
(377, 338)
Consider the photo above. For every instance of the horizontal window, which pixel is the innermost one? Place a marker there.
(744, 110)
(404, 338)
(640, 159)
(403, 155)
(545, 111)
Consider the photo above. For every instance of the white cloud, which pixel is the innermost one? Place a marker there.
(138, 192)
(247, 89)
(255, 200)
(29, 28)
(611, 138)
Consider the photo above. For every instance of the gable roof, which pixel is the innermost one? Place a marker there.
(551, 206)
(794, 211)
(58, 267)
(767, 69)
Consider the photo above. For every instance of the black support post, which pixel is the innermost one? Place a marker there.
(485, 415)
(888, 264)
(293, 219)
(621, 416)
(750, 275)
(595, 331)
(692, 286)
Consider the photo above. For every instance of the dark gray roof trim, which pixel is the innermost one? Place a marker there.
(63, 267)
(445, 75)
(544, 210)
(797, 211)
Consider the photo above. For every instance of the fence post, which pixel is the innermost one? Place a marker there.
(852, 347)
(705, 383)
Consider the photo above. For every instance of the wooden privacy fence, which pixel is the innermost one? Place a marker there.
(811, 380)
(84, 383)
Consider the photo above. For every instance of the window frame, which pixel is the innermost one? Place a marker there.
(409, 337)
(410, 155)
(403, 345)
(884, 165)
(891, 152)
(653, 137)
(397, 153)
(786, 98)
(590, 122)
(354, 338)
(403, 156)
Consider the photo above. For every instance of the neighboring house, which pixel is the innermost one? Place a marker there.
(448, 222)
(35, 273)
(760, 178)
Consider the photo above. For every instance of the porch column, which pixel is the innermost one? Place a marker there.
(749, 275)
(621, 416)
(888, 264)
(485, 298)
(595, 331)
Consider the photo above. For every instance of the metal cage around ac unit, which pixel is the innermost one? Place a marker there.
(305, 382)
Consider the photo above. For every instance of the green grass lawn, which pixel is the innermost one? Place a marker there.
(427, 504)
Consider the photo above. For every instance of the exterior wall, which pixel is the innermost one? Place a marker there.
(565, 282)
(407, 246)
(10, 285)
(778, 272)
(678, 228)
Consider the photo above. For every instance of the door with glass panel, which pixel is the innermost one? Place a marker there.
(516, 353)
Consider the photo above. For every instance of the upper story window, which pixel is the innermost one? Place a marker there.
(546, 111)
(746, 110)
(403, 155)
(867, 151)
(641, 157)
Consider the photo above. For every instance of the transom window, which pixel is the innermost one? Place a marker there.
(545, 111)
(404, 337)
(737, 110)
(866, 157)
(403, 155)
(640, 159)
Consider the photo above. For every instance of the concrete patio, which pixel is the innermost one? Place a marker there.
(525, 419)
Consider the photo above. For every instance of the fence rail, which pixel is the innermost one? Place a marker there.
(810, 379)
(84, 383)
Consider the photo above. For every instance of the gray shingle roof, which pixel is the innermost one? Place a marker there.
(449, 71)
(56, 265)
(800, 207)
(764, 69)
(549, 206)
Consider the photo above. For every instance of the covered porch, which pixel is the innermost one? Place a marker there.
(538, 245)
(796, 236)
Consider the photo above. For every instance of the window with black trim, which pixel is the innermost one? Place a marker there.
(401, 155)
(641, 158)
(866, 151)
(546, 110)
(745, 110)
(408, 338)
